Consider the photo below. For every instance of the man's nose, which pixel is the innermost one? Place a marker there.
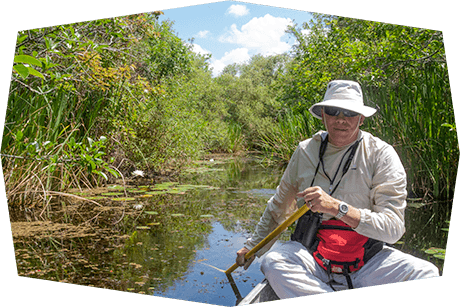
(341, 116)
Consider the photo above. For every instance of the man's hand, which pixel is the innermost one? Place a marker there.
(241, 261)
(320, 201)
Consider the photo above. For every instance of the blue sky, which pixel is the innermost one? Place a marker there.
(233, 31)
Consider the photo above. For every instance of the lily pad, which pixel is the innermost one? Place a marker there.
(116, 187)
(175, 191)
(112, 194)
(435, 250)
(193, 186)
(80, 193)
(124, 199)
(416, 205)
(96, 197)
(159, 188)
(183, 188)
(196, 186)
(206, 215)
(156, 193)
(164, 185)
(146, 195)
(136, 191)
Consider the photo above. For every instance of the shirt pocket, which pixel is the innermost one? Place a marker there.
(357, 183)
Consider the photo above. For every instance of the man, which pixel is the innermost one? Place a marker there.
(355, 185)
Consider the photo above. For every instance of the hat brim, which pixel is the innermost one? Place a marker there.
(366, 111)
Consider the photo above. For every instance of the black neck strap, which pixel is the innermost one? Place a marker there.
(322, 149)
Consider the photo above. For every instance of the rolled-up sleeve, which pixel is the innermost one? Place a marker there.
(384, 221)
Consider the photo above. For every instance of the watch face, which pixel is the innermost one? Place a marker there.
(343, 208)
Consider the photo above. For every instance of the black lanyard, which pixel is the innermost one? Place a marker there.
(322, 149)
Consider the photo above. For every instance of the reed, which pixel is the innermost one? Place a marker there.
(282, 139)
(416, 117)
(235, 138)
(39, 152)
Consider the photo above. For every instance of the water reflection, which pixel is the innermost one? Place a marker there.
(162, 239)
(203, 283)
(169, 239)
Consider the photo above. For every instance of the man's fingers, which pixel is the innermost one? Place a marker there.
(306, 196)
(240, 260)
(310, 194)
(248, 262)
(240, 256)
(304, 192)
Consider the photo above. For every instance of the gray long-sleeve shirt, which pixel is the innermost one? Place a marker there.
(375, 184)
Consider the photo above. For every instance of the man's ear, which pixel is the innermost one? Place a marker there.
(361, 120)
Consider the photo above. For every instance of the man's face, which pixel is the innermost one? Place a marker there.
(342, 130)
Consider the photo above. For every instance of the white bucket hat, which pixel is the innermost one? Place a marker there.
(345, 95)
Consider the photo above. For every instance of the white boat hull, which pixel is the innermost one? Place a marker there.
(262, 292)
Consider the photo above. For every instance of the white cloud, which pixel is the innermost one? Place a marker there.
(200, 50)
(238, 55)
(305, 32)
(202, 34)
(238, 10)
(260, 34)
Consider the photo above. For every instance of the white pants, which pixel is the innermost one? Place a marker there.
(292, 271)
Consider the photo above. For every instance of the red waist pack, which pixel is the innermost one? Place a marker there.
(340, 249)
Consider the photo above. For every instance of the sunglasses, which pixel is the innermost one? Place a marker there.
(333, 111)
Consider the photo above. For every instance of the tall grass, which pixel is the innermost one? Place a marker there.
(39, 152)
(48, 118)
(416, 116)
(235, 138)
(282, 138)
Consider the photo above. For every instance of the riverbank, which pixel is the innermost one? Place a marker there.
(167, 238)
(150, 103)
(147, 238)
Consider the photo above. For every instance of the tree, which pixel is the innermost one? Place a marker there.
(402, 70)
(344, 48)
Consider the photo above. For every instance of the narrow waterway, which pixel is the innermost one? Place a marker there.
(168, 239)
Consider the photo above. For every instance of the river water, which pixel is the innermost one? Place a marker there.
(171, 239)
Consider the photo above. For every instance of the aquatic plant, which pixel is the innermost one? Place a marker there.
(283, 138)
(416, 116)
(403, 72)
(46, 169)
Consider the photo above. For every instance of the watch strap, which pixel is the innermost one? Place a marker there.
(341, 212)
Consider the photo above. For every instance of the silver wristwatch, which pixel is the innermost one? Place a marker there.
(343, 209)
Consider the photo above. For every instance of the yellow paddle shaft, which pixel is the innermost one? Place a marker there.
(294, 217)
